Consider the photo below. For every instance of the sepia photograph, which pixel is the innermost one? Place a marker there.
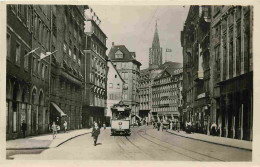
(129, 82)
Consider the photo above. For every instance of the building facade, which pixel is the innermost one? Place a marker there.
(115, 86)
(94, 71)
(196, 71)
(27, 82)
(166, 95)
(129, 68)
(218, 69)
(66, 71)
(232, 69)
(144, 94)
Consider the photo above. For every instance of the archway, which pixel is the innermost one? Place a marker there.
(15, 107)
(34, 117)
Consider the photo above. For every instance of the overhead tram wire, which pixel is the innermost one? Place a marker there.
(150, 21)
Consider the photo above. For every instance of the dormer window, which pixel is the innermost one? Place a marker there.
(118, 55)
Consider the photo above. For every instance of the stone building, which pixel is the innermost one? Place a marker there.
(94, 71)
(115, 86)
(196, 70)
(66, 71)
(129, 68)
(218, 69)
(232, 69)
(144, 94)
(166, 94)
(27, 82)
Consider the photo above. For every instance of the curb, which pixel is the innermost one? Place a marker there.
(248, 149)
(35, 148)
(70, 139)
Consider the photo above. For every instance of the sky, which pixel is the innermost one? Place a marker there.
(134, 26)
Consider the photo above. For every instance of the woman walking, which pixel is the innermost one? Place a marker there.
(95, 133)
(54, 129)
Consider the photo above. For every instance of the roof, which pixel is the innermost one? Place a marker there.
(171, 65)
(127, 55)
(116, 70)
(156, 41)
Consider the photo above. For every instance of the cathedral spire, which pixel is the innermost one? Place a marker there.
(156, 42)
(155, 52)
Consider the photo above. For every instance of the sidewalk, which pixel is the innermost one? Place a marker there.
(247, 145)
(44, 141)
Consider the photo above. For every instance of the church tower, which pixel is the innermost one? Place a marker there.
(155, 52)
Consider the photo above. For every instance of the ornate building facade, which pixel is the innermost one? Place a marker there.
(166, 94)
(232, 69)
(66, 71)
(218, 69)
(27, 82)
(94, 71)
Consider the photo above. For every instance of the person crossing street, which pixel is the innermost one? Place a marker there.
(95, 133)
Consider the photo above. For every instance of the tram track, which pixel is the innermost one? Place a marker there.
(182, 148)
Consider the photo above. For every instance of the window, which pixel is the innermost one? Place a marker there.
(110, 85)
(115, 76)
(26, 62)
(43, 71)
(39, 68)
(47, 72)
(34, 65)
(79, 62)
(18, 53)
(118, 86)
(118, 55)
(65, 48)
(14, 120)
(69, 52)
(231, 54)
(35, 24)
(8, 46)
(125, 96)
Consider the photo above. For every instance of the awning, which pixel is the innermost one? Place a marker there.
(62, 114)
(137, 117)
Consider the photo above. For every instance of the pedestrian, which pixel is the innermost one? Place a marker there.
(24, 128)
(158, 125)
(54, 129)
(162, 125)
(213, 129)
(178, 126)
(65, 124)
(104, 126)
(95, 132)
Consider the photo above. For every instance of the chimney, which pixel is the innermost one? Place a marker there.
(113, 43)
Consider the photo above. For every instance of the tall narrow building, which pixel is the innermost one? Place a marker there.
(155, 52)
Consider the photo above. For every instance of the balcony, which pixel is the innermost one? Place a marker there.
(199, 76)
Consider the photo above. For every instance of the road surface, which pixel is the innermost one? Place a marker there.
(145, 143)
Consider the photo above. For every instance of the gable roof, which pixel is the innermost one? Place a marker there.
(170, 64)
(116, 70)
(127, 56)
(162, 74)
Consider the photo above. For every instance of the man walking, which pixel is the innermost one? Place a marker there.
(95, 133)
(24, 128)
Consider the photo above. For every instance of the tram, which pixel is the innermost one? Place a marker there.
(120, 122)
